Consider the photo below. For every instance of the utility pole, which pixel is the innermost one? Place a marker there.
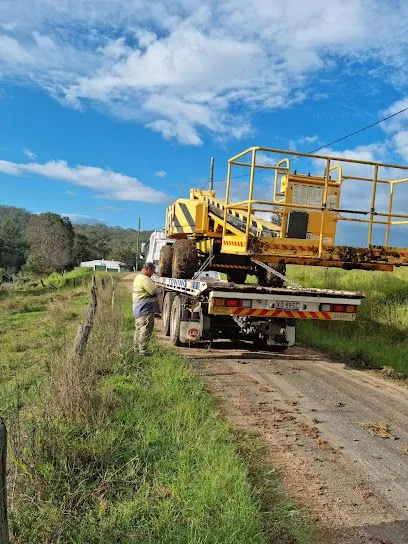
(212, 174)
(138, 245)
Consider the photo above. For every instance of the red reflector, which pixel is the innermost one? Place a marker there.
(233, 302)
(339, 308)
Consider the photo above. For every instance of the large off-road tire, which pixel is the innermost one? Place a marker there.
(269, 279)
(185, 259)
(175, 320)
(237, 276)
(166, 311)
(165, 261)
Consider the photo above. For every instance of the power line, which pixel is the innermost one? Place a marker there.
(358, 131)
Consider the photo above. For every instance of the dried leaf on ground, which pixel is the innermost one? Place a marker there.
(379, 429)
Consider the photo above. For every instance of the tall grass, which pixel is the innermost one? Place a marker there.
(118, 448)
(69, 278)
(379, 337)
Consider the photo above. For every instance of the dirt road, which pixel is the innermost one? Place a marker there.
(322, 422)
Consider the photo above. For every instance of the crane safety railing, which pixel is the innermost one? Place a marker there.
(278, 205)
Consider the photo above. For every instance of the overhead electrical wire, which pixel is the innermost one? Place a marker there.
(358, 131)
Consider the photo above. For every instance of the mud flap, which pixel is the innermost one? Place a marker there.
(282, 336)
(190, 331)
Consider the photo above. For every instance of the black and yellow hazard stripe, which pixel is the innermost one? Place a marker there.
(236, 266)
(183, 217)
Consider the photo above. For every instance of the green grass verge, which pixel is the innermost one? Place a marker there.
(117, 448)
(30, 327)
(379, 337)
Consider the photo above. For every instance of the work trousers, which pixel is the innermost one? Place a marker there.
(143, 331)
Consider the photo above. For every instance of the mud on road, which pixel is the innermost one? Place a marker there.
(338, 434)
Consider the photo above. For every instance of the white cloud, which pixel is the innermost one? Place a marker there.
(399, 121)
(30, 154)
(161, 173)
(112, 185)
(71, 193)
(401, 143)
(299, 143)
(190, 67)
(12, 51)
(183, 132)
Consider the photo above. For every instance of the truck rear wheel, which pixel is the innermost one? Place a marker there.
(185, 259)
(269, 279)
(166, 311)
(237, 276)
(165, 261)
(175, 320)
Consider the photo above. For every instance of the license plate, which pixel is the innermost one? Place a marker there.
(284, 305)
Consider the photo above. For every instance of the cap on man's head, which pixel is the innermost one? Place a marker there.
(151, 266)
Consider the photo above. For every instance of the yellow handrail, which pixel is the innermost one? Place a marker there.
(251, 194)
(275, 184)
(340, 180)
(339, 168)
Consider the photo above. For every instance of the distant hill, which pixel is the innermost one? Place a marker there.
(90, 241)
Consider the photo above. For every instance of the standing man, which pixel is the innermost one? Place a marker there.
(145, 306)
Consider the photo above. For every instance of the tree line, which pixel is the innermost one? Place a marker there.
(46, 242)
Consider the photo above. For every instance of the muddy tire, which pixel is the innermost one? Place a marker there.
(175, 321)
(166, 311)
(237, 276)
(185, 259)
(165, 261)
(269, 279)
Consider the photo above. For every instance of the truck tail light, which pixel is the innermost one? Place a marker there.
(339, 308)
(232, 302)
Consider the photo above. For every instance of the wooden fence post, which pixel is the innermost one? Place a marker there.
(4, 535)
(83, 333)
(113, 292)
(93, 294)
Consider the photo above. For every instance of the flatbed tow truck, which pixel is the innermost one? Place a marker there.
(205, 309)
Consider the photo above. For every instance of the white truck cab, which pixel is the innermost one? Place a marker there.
(150, 251)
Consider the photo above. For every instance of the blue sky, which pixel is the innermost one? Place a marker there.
(109, 110)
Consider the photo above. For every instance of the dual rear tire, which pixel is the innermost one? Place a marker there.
(171, 316)
(166, 311)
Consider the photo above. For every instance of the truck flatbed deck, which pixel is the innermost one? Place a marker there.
(197, 287)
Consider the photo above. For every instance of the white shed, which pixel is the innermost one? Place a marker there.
(103, 265)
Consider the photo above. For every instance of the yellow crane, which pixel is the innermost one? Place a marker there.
(292, 218)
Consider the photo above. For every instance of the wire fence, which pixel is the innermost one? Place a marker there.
(79, 347)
